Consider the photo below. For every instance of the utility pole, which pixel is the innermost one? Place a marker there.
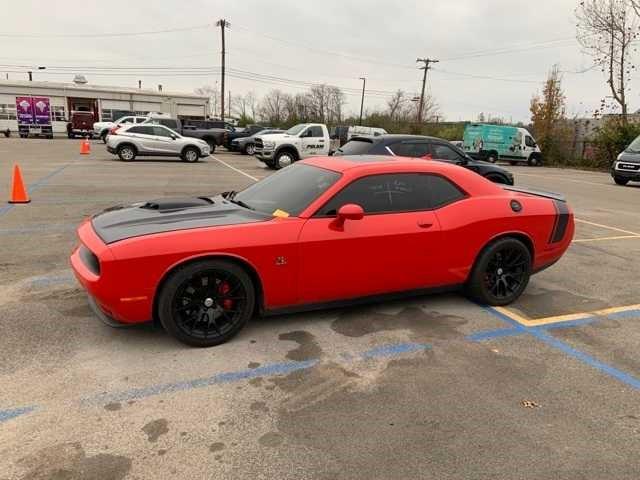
(426, 68)
(364, 82)
(222, 23)
(229, 107)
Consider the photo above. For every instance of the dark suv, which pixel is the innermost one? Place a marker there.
(429, 148)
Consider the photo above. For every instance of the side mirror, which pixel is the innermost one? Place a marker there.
(173, 137)
(350, 211)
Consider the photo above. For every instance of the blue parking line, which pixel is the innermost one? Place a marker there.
(541, 334)
(14, 412)
(35, 186)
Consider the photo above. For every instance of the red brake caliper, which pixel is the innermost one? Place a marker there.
(224, 289)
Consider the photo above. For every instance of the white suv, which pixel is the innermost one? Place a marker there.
(101, 129)
(155, 140)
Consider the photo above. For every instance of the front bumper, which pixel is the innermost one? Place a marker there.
(628, 170)
(110, 149)
(264, 154)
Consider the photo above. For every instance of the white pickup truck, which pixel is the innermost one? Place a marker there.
(301, 141)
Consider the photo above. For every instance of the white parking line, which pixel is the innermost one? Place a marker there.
(616, 229)
(235, 169)
(601, 239)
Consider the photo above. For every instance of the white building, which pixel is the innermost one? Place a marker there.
(106, 103)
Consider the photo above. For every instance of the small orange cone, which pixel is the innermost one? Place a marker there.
(85, 147)
(18, 192)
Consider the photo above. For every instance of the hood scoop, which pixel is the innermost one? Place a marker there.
(173, 204)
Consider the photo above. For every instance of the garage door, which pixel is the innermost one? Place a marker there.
(191, 110)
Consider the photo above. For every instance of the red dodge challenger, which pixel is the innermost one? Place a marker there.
(323, 232)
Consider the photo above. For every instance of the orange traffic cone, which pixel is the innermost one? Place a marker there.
(85, 147)
(18, 192)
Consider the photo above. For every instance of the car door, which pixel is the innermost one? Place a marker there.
(394, 247)
(163, 140)
(141, 136)
(445, 153)
(313, 142)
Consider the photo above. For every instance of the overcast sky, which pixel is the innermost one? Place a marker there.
(328, 41)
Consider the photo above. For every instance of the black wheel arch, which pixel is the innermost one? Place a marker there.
(287, 147)
(239, 261)
(521, 236)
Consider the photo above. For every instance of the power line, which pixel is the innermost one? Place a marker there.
(104, 35)
(485, 77)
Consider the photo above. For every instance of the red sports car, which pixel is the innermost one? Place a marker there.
(323, 232)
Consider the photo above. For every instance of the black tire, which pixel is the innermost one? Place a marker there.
(71, 135)
(193, 313)
(190, 155)
(249, 149)
(283, 158)
(270, 164)
(103, 136)
(534, 161)
(23, 135)
(497, 178)
(620, 180)
(501, 272)
(127, 153)
(492, 157)
(212, 144)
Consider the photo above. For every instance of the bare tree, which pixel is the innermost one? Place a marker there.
(395, 104)
(252, 104)
(272, 107)
(606, 30)
(213, 94)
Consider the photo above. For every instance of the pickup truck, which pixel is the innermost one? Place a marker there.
(300, 141)
(201, 129)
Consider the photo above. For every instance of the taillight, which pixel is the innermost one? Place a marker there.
(113, 130)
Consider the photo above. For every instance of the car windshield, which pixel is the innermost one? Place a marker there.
(634, 146)
(288, 191)
(296, 129)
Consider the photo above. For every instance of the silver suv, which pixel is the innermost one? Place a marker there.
(131, 141)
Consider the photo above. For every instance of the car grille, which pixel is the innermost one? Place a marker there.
(628, 166)
(258, 143)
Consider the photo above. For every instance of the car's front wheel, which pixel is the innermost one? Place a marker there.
(501, 272)
(190, 154)
(250, 149)
(126, 153)
(620, 180)
(206, 303)
(283, 159)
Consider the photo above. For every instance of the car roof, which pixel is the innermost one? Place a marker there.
(395, 137)
(385, 162)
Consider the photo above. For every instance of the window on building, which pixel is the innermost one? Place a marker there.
(58, 113)
(141, 113)
(107, 115)
(7, 111)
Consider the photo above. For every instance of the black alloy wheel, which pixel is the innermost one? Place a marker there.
(206, 303)
(501, 273)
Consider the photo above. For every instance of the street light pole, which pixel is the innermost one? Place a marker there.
(364, 83)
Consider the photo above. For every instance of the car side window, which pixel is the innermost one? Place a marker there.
(529, 142)
(161, 131)
(442, 191)
(383, 194)
(135, 130)
(444, 152)
(313, 132)
(142, 129)
(410, 149)
(127, 120)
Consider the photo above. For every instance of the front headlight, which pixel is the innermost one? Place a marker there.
(269, 145)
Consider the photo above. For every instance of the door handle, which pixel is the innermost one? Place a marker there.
(425, 224)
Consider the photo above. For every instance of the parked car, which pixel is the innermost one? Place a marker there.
(148, 139)
(501, 142)
(626, 168)
(80, 124)
(247, 145)
(324, 231)
(429, 148)
(301, 141)
(343, 133)
(204, 130)
(101, 129)
(249, 131)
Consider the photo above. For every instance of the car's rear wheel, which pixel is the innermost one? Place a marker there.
(534, 161)
(620, 180)
(501, 272)
(492, 157)
(206, 303)
(126, 153)
(103, 136)
(250, 149)
(190, 154)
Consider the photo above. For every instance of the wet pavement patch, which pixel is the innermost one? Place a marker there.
(271, 439)
(307, 349)
(422, 325)
(68, 461)
(113, 406)
(155, 429)
(216, 447)
(541, 302)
